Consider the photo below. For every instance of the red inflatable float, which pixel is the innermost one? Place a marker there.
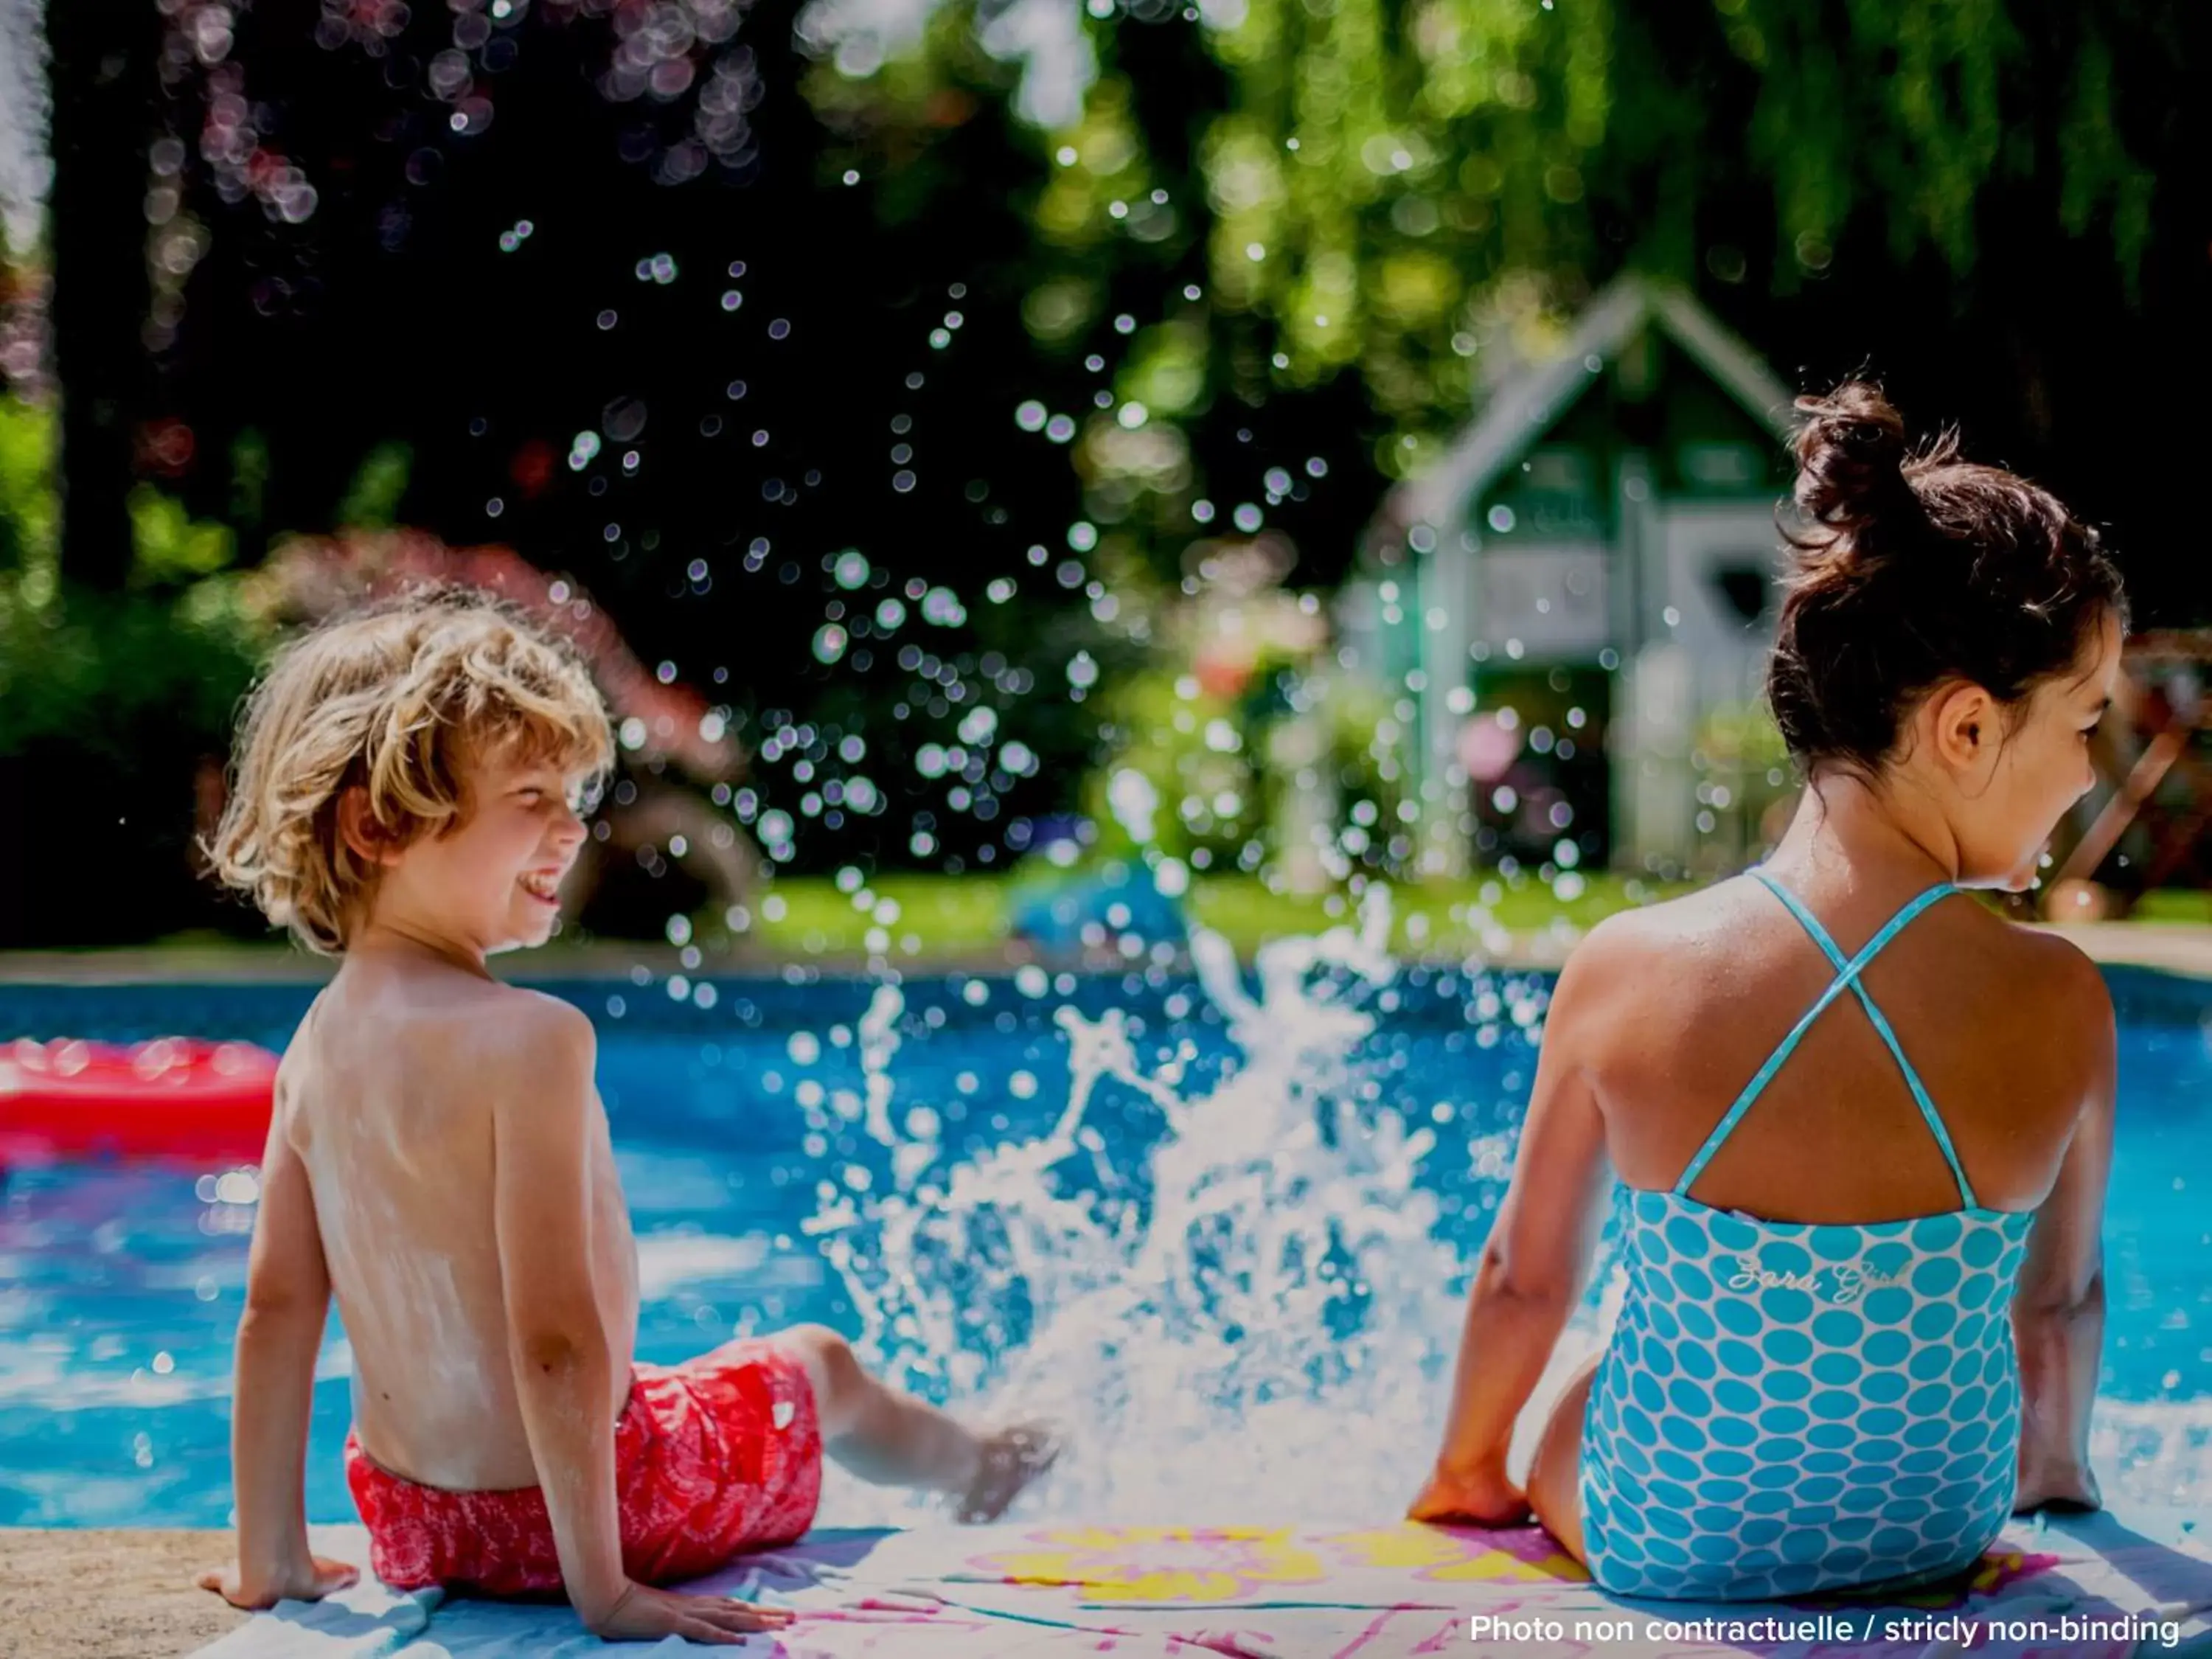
(172, 1098)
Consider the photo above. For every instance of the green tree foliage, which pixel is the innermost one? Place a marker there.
(1404, 190)
(113, 704)
(28, 506)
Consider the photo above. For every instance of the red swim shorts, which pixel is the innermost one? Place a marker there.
(716, 1456)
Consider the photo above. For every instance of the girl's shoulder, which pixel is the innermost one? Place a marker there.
(1664, 926)
(1717, 936)
(2063, 977)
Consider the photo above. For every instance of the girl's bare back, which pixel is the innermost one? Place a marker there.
(2000, 1021)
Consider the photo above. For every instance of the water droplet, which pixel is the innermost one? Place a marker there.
(624, 419)
(239, 1187)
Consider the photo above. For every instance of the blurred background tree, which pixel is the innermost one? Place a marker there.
(874, 367)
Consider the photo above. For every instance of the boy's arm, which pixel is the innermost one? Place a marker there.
(2058, 1311)
(287, 1294)
(1533, 1265)
(542, 1133)
(543, 1127)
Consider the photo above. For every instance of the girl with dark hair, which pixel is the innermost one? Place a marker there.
(1864, 1301)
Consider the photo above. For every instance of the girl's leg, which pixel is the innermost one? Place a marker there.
(1555, 1476)
(892, 1438)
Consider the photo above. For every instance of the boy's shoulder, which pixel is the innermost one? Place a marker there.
(531, 1030)
(484, 1029)
(523, 1049)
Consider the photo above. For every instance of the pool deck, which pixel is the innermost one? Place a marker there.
(2173, 947)
(124, 1594)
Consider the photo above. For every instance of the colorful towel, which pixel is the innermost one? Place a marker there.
(2105, 1586)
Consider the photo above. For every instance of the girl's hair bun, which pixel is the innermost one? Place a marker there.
(1911, 566)
(1851, 458)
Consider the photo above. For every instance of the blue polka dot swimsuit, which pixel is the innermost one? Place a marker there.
(1786, 1408)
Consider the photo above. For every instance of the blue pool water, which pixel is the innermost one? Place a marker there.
(1218, 1254)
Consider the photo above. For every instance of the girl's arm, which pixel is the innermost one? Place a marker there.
(287, 1297)
(1538, 1254)
(2058, 1311)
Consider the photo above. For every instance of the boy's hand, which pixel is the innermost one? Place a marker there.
(642, 1611)
(1484, 1499)
(310, 1581)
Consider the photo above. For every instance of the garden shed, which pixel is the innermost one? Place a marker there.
(1578, 597)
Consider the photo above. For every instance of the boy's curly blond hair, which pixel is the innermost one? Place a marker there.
(396, 697)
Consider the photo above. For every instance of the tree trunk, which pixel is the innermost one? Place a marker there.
(104, 57)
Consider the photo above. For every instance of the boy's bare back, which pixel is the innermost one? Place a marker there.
(389, 1094)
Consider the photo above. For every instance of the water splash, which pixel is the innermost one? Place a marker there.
(1248, 1314)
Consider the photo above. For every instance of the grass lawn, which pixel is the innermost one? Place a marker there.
(969, 914)
(968, 917)
(2183, 904)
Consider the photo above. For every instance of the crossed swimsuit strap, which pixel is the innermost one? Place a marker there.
(1847, 978)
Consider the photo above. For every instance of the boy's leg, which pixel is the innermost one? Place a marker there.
(879, 1433)
(892, 1438)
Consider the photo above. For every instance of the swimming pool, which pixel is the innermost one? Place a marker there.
(1226, 1238)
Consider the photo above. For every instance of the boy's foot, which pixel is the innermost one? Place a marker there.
(1012, 1457)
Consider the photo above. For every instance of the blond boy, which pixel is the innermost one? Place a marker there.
(409, 784)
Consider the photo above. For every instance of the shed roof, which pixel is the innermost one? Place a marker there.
(1519, 413)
